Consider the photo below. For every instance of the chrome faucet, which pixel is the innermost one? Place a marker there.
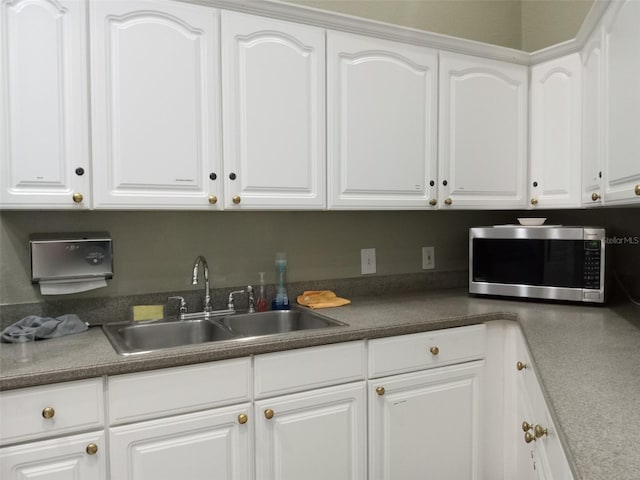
(194, 281)
(252, 300)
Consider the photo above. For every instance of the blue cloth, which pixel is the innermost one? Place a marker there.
(44, 327)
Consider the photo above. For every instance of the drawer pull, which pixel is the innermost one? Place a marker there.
(434, 350)
(242, 419)
(526, 426)
(268, 413)
(380, 391)
(92, 449)
(528, 437)
(540, 431)
(521, 366)
(48, 413)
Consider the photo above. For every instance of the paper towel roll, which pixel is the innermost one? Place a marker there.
(63, 287)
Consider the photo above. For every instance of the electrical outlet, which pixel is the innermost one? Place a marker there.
(428, 258)
(368, 260)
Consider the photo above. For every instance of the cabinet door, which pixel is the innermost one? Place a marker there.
(592, 120)
(66, 458)
(382, 111)
(556, 133)
(622, 103)
(483, 132)
(426, 424)
(44, 136)
(155, 105)
(198, 446)
(274, 113)
(315, 435)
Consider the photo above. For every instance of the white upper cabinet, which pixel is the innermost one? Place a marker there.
(483, 132)
(273, 83)
(592, 120)
(622, 103)
(556, 133)
(155, 105)
(382, 117)
(44, 135)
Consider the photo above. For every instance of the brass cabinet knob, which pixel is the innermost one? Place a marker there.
(380, 391)
(268, 413)
(540, 431)
(595, 196)
(528, 438)
(637, 189)
(448, 201)
(213, 199)
(236, 199)
(92, 449)
(526, 426)
(434, 350)
(77, 197)
(433, 202)
(242, 419)
(521, 366)
(48, 412)
(534, 201)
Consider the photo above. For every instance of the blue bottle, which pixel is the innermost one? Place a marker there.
(281, 301)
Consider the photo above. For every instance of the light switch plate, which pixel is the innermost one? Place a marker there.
(368, 260)
(428, 258)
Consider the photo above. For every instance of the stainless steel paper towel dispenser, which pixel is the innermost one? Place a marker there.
(70, 256)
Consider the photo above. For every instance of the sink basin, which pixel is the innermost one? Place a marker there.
(277, 321)
(131, 338)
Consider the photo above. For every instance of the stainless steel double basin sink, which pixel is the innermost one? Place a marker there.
(134, 337)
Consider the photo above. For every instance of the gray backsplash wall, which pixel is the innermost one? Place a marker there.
(154, 251)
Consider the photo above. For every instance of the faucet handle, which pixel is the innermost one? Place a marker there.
(183, 305)
(252, 299)
(230, 305)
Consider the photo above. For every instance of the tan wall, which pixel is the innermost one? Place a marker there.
(490, 21)
(154, 251)
(548, 22)
(527, 25)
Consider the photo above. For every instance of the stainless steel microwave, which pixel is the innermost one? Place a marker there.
(549, 262)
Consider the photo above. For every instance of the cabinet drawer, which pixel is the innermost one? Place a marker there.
(307, 368)
(40, 412)
(160, 393)
(408, 353)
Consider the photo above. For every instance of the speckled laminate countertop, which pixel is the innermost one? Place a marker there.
(587, 358)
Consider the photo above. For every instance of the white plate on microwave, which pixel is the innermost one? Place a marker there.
(531, 221)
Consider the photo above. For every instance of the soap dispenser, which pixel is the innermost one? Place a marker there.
(261, 303)
(281, 302)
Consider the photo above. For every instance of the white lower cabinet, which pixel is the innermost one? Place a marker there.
(30, 417)
(425, 418)
(186, 422)
(426, 424)
(312, 435)
(455, 404)
(310, 413)
(203, 445)
(539, 454)
(68, 458)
